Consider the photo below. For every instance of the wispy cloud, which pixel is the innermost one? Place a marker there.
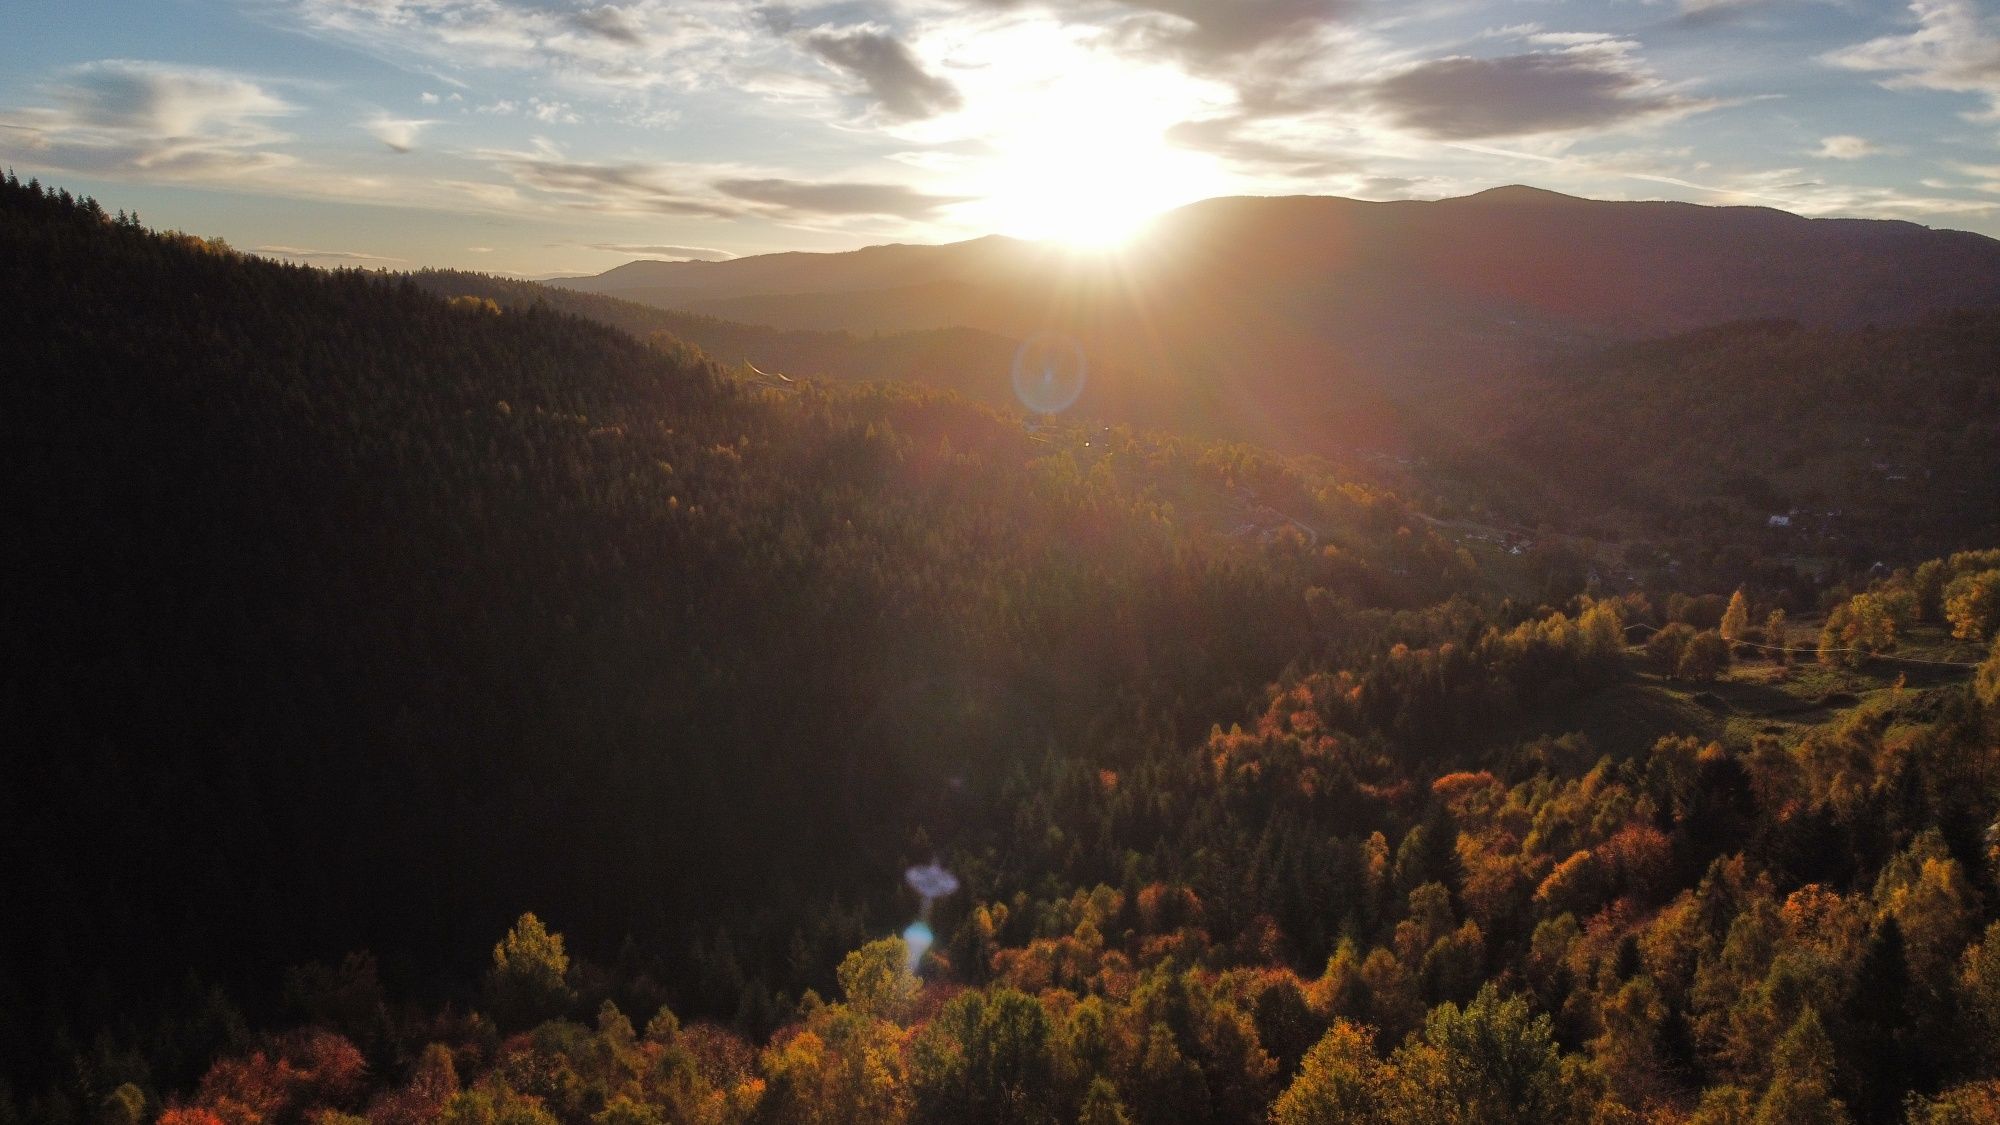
(640, 249)
(800, 197)
(1847, 147)
(887, 70)
(303, 254)
(120, 116)
(1591, 82)
(625, 188)
(637, 46)
(1954, 48)
(1202, 32)
(399, 134)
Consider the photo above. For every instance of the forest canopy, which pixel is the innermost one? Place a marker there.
(452, 710)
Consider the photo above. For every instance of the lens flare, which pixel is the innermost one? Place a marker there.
(1049, 373)
(931, 882)
(919, 938)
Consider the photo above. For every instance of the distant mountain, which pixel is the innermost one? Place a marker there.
(1312, 321)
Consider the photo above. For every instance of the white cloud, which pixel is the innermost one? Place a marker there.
(631, 47)
(652, 250)
(1954, 48)
(121, 116)
(400, 134)
(303, 254)
(535, 108)
(1847, 147)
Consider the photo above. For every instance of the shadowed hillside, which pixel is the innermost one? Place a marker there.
(347, 617)
(1864, 444)
(1304, 321)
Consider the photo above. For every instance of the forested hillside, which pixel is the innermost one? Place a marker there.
(1868, 444)
(965, 360)
(347, 618)
(1298, 322)
(356, 630)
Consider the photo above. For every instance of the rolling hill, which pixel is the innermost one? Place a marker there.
(1309, 322)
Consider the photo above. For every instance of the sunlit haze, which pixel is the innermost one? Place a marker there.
(536, 137)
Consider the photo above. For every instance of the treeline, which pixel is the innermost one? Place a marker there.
(1693, 932)
(345, 617)
(1960, 592)
(970, 362)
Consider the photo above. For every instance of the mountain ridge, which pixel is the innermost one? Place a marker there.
(1214, 311)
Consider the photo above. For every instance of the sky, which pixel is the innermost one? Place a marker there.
(539, 137)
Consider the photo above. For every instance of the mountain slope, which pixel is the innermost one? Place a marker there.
(965, 360)
(1291, 320)
(1884, 443)
(345, 617)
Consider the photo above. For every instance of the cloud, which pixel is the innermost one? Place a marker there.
(1211, 30)
(1954, 49)
(808, 198)
(628, 47)
(620, 188)
(1591, 85)
(1235, 138)
(608, 22)
(666, 189)
(888, 70)
(686, 253)
(539, 109)
(302, 254)
(398, 133)
(121, 116)
(1847, 148)
(1204, 31)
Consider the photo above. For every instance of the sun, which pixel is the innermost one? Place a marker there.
(1091, 183)
(1077, 140)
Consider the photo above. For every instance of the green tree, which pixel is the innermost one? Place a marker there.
(1491, 1061)
(1339, 1083)
(986, 1057)
(1927, 584)
(1979, 989)
(1986, 682)
(876, 979)
(1101, 1105)
(1776, 636)
(1664, 648)
(1801, 1089)
(529, 979)
(1735, 619)
(124, 1106)
(1705, 657)
(1972, 605)
(1857, 628)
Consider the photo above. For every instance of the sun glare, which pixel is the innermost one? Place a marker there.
(1090, 182)
(1078, 141)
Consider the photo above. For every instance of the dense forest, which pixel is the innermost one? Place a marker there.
(1872, 444)
(1869, 443)
(429, 711)
(965, 360)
